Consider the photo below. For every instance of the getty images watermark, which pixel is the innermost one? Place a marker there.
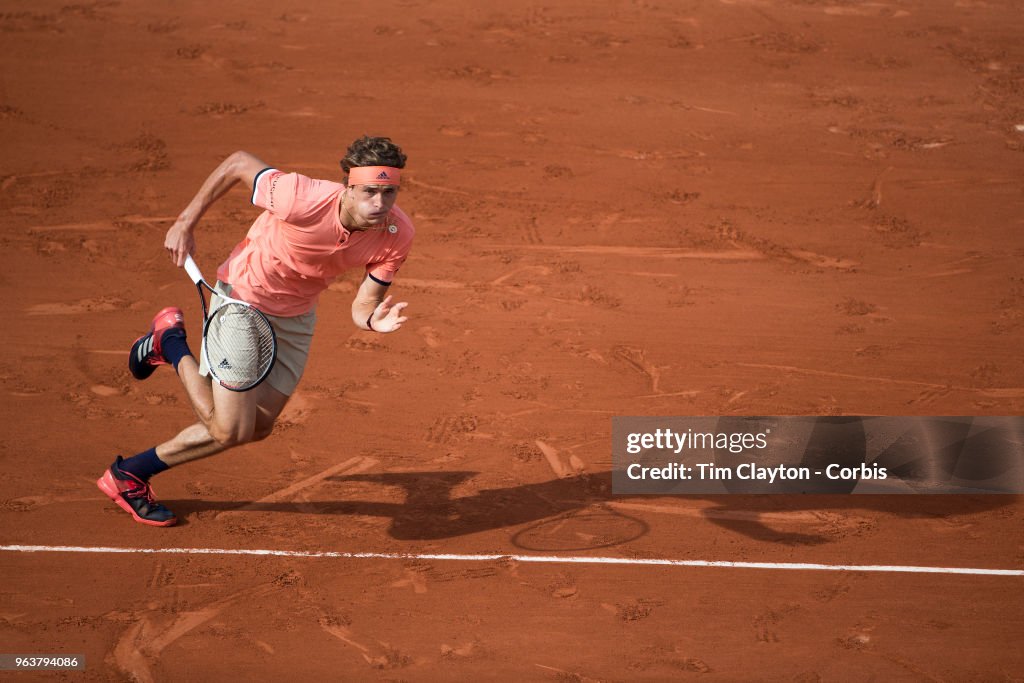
(728, 454)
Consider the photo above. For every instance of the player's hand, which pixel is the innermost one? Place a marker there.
(387, 317)
(180, 240)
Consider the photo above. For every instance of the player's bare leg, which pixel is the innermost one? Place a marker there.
(234, 419)
(227, 419)
(229, 416)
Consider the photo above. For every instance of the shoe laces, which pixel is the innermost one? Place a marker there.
(140, 490)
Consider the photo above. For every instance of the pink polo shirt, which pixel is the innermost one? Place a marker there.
(297, 246)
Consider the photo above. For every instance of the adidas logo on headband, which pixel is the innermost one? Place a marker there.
(374, 175)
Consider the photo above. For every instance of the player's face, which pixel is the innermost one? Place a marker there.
(369, 204)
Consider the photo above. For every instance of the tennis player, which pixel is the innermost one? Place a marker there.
(310, 231)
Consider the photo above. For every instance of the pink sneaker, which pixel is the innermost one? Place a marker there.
(146, 355)
(134, 496)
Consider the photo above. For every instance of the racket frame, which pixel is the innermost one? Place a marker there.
(197, 277)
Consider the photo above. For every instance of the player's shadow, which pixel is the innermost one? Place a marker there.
(429, 511)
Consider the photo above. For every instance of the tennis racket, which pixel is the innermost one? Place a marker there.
(239, 344)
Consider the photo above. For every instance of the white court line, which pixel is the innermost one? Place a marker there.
(517, 558)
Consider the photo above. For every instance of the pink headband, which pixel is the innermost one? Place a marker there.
(374, 175)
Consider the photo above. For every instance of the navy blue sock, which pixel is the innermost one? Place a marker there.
(174, 346)
(144, 465)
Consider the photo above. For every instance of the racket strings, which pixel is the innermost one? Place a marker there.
(240, 345)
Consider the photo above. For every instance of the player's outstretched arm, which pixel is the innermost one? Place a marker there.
(372, 308)
(238, 167)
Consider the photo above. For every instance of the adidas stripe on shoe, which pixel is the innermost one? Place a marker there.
(146, 354)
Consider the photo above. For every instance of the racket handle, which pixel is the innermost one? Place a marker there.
(193, 270)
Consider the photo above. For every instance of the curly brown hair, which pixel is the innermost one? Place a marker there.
(372, 151)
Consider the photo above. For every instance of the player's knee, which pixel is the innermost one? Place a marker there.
(231, 435)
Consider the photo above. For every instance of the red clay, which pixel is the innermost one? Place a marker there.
(635, 208)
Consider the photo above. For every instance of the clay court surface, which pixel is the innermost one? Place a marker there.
(622, 208)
